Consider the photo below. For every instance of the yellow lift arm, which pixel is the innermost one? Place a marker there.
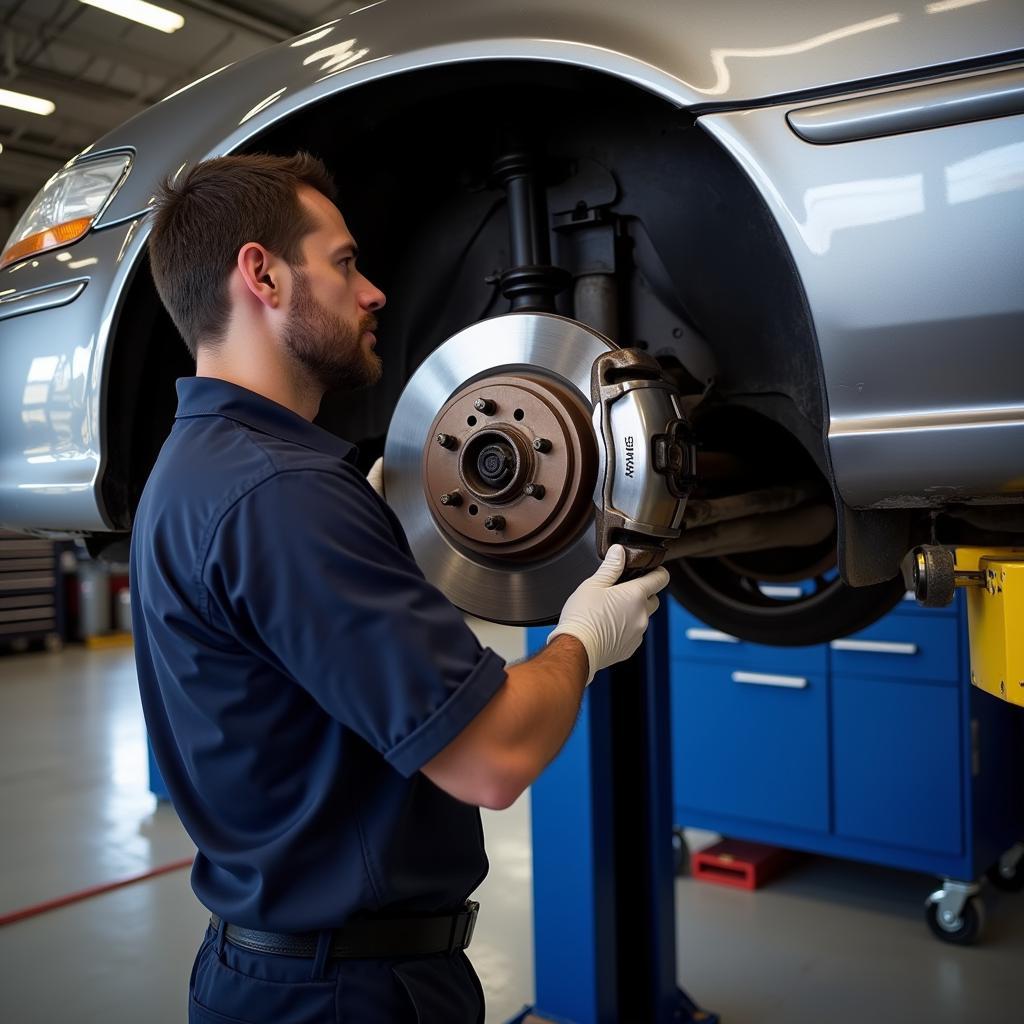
(994, 579)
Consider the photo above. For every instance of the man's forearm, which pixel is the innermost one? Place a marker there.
(521, 729)
(543, 701)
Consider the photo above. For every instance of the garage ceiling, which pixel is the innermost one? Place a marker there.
(99, 69)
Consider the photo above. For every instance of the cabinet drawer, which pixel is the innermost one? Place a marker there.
(897, 763)
(691, 638)
(901, 647)
(752, 745)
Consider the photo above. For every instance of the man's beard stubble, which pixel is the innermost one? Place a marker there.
(327, 348)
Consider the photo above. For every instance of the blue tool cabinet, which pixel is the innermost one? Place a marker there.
(874, 747)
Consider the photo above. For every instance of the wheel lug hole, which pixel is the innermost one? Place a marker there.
(472, 510)
(519, 414)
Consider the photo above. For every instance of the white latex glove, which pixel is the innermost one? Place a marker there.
(610, 618)
(376, 477)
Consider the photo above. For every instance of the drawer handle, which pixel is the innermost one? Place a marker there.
(874, 646)
(781, 592)
(711, 636)
(762, 679)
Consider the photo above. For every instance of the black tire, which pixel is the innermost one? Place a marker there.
(1007, 883)
(721, 594)
(963, 932)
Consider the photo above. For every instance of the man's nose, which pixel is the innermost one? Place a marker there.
(373, 298)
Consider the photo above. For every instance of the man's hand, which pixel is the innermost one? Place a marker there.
(610, 618)
(376, 477)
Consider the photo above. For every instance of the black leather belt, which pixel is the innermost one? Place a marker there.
(369, 937)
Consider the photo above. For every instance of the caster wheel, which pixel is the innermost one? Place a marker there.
(1007, 881)
(680, 853)
(960, 931)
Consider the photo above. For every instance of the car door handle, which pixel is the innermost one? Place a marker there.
(763, 679)
(874, 646)
(713, 636)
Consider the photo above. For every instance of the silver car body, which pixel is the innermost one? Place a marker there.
(904, 220)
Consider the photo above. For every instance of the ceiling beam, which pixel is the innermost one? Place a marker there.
(26, 29)
(277, 28)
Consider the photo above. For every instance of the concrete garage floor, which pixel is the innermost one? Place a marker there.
(831, 942)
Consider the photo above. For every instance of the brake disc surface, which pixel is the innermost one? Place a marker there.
(491, 462)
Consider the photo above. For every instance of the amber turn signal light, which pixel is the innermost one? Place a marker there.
(42, 241)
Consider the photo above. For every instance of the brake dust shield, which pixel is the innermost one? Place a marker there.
(491, 463)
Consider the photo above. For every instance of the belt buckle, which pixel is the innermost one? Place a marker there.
(467, 919)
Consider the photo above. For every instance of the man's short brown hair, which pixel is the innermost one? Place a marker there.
(204, 217)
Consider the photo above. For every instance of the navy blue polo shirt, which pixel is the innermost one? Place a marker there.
(296, 672)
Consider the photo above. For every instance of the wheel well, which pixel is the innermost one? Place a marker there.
(705, 276)
(148, 357)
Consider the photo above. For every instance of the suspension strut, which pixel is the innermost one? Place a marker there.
(531, 282)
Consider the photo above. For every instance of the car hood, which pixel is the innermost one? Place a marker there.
(698, 55)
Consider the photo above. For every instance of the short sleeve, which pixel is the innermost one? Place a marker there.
(306, 570)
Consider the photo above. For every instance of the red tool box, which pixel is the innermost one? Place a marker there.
(739, 864)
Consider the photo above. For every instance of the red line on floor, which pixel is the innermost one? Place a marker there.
(96, 890)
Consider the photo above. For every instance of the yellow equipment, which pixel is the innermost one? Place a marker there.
(995, 620)
(995, 608)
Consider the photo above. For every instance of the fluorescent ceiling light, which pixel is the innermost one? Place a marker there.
(30, 104)
(138, 10)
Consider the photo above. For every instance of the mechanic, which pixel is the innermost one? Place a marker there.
(325, 721)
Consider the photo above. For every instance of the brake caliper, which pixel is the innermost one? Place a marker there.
(647, 457)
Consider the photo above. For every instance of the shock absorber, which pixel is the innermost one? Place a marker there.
(531, 282)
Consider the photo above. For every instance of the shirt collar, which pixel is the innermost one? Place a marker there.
(211, 396)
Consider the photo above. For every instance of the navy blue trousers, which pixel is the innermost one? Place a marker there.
(233, 986)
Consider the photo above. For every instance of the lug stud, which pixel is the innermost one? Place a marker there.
(494, 523)
(541, 444)
(485, 405)
(534, 491)
(451, 498)
(447, 441)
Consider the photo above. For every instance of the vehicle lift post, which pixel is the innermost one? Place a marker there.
(603, 864)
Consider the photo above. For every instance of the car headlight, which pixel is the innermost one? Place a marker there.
(66, 206)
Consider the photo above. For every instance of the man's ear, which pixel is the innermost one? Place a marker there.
(261, 273)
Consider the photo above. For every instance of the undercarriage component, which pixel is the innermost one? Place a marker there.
(546, 443)
(531, 282)
(762, 532)
(647, 457)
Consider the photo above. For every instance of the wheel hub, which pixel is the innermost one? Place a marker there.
(515, 466)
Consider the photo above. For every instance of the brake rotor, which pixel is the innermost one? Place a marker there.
(491, 463)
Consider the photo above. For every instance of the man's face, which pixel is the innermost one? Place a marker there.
(331, 314)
